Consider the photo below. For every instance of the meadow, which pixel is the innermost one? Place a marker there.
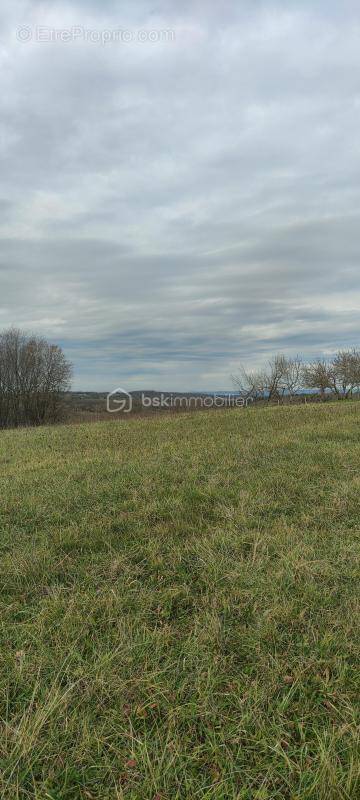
(180, 607)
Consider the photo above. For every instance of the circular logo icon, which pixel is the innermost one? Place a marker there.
(24, 34)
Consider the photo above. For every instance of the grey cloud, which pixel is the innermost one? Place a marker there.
(167, 210)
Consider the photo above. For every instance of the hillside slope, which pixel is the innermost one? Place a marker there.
(179, 606)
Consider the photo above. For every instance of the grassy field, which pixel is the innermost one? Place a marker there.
(179, 607)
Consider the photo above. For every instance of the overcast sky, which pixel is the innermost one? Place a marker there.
(173, 207)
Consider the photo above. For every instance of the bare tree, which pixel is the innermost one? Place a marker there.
(293, 376)
(286, 376)
(318, 375)
(249, 384)
(33, 378)
(345, 372)
(276, 377)
(271, 382)
(341, 376)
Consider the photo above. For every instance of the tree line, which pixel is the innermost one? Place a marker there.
(287, 377)
(34, 375)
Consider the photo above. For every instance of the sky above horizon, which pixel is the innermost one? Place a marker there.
(180, 184)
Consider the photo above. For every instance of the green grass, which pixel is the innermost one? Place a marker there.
(179, 607)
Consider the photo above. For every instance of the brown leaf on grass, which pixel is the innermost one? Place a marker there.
(116, 567)
(171, 746)
(20, 655)
(329, 705)
(288, 679)
(214, 772)
(141, 712)
(284, 744)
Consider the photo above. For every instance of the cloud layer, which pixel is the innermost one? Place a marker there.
(173, 207)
